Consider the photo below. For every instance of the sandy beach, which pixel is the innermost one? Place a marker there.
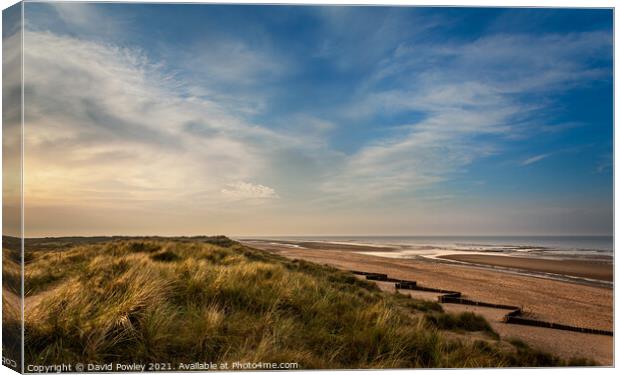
(580, 268)
(551, 300)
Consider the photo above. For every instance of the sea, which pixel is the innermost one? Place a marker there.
(433, 246)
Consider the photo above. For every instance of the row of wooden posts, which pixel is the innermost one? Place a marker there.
(514, 316)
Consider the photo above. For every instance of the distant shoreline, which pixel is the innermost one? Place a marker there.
(321, 245)
(588, 268)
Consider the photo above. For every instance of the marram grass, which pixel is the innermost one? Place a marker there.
(215, 300)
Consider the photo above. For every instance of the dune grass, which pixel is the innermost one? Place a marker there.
(215, 300)
(11, 309)
(465, 321)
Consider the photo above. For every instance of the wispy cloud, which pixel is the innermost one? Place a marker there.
(606, 162)
(474, 97)
(345, 30)
(247, 190)
(534, 159)
(105, 122)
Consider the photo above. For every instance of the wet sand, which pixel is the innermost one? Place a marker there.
(580, 268)
(544, 299)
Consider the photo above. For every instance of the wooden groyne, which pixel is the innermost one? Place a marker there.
(514, 316)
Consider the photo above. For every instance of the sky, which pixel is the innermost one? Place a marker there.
(295, 120)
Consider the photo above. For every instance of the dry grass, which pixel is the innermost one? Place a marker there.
(214, 300)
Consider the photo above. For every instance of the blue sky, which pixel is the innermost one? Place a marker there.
(251, 120)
